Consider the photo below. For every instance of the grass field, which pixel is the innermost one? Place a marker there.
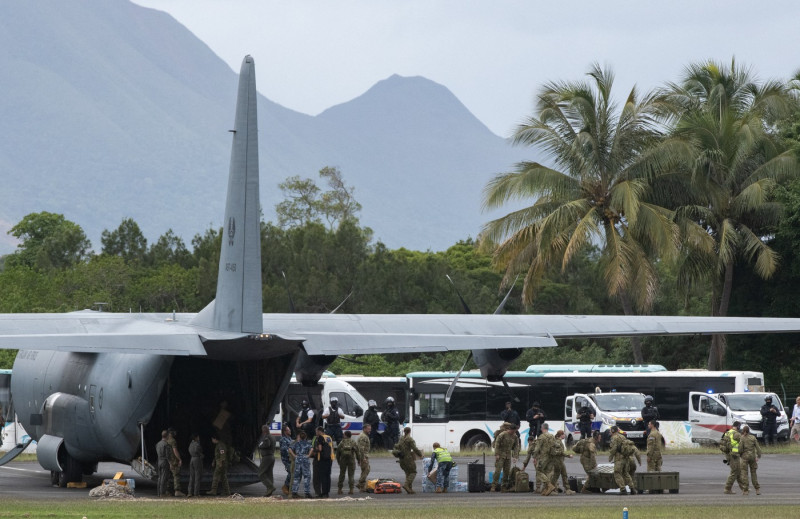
(259, 507)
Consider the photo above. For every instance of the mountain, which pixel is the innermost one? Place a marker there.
(112, 110)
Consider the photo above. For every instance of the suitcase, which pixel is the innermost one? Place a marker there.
(388, 487)
(476, 472)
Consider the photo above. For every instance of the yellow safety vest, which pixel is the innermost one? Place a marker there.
(442, 455)
(734, 443)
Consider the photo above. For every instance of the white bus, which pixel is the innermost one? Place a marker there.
(473, 414)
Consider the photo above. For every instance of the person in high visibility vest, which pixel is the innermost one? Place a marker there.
(730, 445)
(445, 461)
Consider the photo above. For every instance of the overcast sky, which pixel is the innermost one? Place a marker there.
(493, 55)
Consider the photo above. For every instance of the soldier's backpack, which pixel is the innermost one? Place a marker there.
(512, 476)
(346, 449)
(579, 447)
(725, 443)
(628, 448)
(522, 482)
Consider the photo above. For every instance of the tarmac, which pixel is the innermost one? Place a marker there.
(701, 482)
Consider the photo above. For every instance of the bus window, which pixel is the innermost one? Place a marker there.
(429, 406)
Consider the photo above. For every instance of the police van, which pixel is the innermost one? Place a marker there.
(711, 414)
(350, 401)
(621, 409)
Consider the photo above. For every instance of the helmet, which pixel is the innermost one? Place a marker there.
(334, 400)
(648, 399)
(390, 400)
(768, 399)
(372, 403)
(304, 403)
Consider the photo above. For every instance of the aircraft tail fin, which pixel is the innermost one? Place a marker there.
(237, 306)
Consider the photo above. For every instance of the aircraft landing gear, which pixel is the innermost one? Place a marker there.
(72, 473)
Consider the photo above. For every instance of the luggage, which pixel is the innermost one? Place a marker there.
(372, 483)
(476, 472)
(388, 487)
(521, 482)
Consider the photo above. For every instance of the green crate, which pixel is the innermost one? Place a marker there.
(657, 481)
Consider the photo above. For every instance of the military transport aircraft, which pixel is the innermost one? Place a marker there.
(94, 386)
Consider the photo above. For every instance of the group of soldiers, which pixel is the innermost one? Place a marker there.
(548, 454)
(170, 462)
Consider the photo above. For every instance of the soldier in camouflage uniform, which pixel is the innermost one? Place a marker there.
(531, 449)
(346, 454)
(621, 461)
(751, 453)
(221, 456)
(407, 449)
(654, 447)
(300, 453)
(543, 460)
(175, 462)
(729, 444)
(163, 451)
(506, 447)
(588, 451)
(364, 440)
(559, 468)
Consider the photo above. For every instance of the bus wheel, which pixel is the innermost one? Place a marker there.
(475, 441)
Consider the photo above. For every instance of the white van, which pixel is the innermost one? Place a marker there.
(351, 402)
(621, 409)
(711, 414)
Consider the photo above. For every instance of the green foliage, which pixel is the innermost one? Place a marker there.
(126, 241)
(306, 203)
(48, 241)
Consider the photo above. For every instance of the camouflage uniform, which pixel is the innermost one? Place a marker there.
(544, 460)
(750, 451)
(408, 449)
(195, 468)
(285, 443)
(731, 440)
(302, 467)
(221, 455)
(363, 449)
(622, 475)
(559, 468)
(588, 459)
(506, 446)
(346, 454)
(174, 464)
(654, 445)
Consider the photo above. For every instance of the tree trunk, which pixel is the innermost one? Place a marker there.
(716, 353)
(636, 342)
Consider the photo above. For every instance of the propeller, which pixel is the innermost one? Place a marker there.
(343, 302)
(467, 310)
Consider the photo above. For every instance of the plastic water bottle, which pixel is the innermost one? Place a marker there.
(625, 513)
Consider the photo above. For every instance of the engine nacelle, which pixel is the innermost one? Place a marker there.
(48, 449)
(494, 363)
(309, 368)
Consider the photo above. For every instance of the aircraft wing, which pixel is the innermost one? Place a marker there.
(98, 332)
(335, 334)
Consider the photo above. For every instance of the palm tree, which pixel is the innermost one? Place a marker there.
(726, 117)
(597, 192)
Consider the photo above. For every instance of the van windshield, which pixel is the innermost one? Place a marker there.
(749, 401)
(619, 402)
